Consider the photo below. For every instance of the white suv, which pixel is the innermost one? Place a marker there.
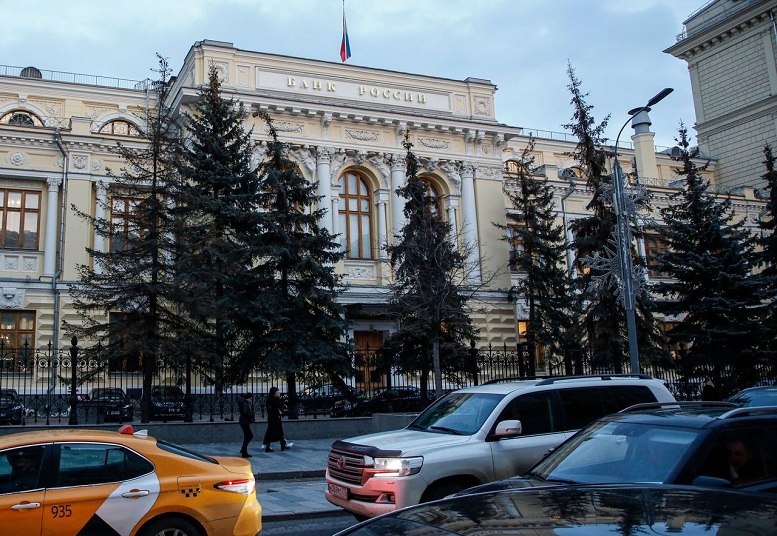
(472, 436)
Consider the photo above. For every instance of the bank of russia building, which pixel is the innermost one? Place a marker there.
(344, 125)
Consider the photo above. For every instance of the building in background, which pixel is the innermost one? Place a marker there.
(343, 124)
(731, 50)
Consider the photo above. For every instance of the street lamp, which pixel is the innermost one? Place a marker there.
(623, 236)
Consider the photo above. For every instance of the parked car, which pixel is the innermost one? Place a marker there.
(12, 411)
(472, 436)
(112, 403)
(321, 399)
(401, 399)
(69, 481)
(167, 402)
(755, 396)
(592, 510)
(709, 444)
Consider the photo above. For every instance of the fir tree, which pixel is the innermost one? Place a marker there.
(125, 297)
(712, 288)
(768, 253)
(604, 319)
(298, 325)
(545, 284)
(434, 329)
(218, 206)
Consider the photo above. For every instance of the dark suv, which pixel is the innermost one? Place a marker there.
(11, 407)
(167, 402)
(112, 402)
(710, 444)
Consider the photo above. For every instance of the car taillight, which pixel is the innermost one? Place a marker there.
(245, 486)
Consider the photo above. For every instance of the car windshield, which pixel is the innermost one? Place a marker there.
(617, 452)
(756, 397)
(167, 393)
(458, 413)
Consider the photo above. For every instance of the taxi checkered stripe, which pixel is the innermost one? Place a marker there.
(190, 492)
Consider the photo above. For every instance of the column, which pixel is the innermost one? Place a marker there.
(381, 202)
(50, 246)
(323, 176)
(101, 189)
(398, 171)
(469, 219)
(452, 204)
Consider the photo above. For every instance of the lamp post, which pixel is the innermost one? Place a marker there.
(623, 236)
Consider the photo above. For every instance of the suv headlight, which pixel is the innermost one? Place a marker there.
(394, 466)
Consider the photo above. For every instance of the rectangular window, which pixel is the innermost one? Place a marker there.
(122, 355)
(654, 245)
(17, 329)
(20, 225)
(516, 246)
(124, 223)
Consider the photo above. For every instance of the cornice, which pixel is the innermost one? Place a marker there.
(724, 31)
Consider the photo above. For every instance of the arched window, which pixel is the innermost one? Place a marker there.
(434, 192)
(120, 127)
(355, 216)
(21, 119)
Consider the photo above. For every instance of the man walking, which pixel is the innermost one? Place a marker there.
(246, 418)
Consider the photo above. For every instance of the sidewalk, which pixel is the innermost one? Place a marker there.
(288, 483)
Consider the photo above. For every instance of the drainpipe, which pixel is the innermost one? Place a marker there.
(774, 27)
(58, 273)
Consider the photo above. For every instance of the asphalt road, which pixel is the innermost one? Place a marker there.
(320, 525)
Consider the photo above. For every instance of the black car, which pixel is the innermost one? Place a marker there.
(384, 400)
(709, 444)
(167, 402)
(322, 398)
(11, 408)
(112, 403)
(588, 510)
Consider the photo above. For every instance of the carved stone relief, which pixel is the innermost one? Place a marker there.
(362, 135)
(12, 298)
(434, 143)
(17, 158)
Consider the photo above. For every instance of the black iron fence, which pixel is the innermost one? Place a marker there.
(68, 386)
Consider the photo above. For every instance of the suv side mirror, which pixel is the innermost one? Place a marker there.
(508, 428)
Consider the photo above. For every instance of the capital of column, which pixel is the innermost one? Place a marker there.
(53, 184)
(398, 162)
(324, 154)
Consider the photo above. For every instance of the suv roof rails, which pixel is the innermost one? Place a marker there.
(749, 412)
(554, 379)
(677, 404)
(513, 379)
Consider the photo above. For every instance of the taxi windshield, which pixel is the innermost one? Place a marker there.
(457, 413)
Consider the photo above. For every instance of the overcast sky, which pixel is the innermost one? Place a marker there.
(522, 46)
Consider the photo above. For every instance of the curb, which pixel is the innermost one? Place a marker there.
(304, 515)
(290, 475)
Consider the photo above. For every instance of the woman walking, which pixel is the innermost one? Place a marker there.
(246, 418)
(274, 425)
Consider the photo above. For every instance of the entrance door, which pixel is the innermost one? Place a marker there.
(365, 344)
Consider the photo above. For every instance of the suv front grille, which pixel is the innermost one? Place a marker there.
(346, 466)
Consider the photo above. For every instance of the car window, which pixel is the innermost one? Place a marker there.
(535, 411)
(617, 452)
(20, 468)
(582, 406)
(623, 396)
(743, 456)
(460, 413)
(98, 463)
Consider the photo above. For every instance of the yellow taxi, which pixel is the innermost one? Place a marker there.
(69, 482)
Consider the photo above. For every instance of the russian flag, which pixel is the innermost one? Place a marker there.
(345, 46)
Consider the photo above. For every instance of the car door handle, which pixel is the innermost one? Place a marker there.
(135, 493)
(25, 506)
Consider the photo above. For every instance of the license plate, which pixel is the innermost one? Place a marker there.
(338, 491)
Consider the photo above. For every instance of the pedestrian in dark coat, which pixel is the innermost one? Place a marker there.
(709, 392)
(246, 410)
(274, 425)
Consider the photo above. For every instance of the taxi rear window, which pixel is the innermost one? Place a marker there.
(182, 451)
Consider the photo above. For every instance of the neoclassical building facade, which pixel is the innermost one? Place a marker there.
(343, 124)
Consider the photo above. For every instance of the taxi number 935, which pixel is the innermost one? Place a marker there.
(61, 510)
